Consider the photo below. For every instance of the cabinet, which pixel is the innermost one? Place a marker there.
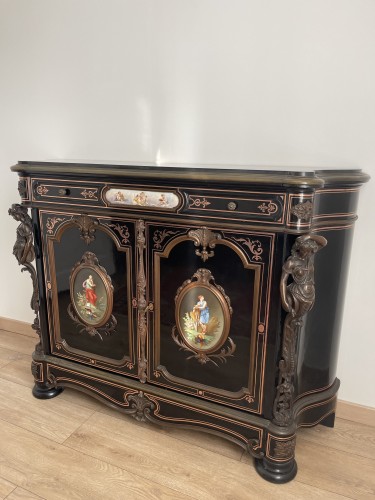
(194, 297)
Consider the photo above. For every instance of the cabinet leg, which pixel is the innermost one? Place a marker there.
(329, 421)
(45, 391)
(276, 472)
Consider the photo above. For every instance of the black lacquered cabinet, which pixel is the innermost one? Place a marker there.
(204, 298)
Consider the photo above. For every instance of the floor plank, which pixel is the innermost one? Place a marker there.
(55, 418)
(16, 342)
(170, 462)
(56, 472)
(333, 470)
(8, 355)
(361, 437)
(343, 473)
(74, 446)
(5, 488)
(21, 494)
(201, 439)
(19, 371)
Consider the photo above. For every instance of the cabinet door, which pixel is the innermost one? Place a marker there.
(88, 264)
(211, 294)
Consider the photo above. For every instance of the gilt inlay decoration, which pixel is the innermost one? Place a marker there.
(51, 223)
(123, 232)
(160, 235)
(269, 208)
(198, 202)
(255, 247)
(90, 194)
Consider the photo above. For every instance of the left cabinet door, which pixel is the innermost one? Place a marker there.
(88, 277)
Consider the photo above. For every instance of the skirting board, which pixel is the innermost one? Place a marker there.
(345, 409)
(16, 326)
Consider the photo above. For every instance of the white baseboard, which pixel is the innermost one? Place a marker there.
(355, 413)
(14, 325)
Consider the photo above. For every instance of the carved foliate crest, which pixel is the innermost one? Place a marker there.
(87, 226)
(204, 238)
(140, 406)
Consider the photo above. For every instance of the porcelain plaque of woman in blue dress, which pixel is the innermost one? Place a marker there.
(201, 328)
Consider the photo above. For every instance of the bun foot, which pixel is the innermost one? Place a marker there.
(45, 391)
(276, 472)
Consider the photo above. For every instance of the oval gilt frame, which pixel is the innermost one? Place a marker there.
(90, 262)
(201, 282)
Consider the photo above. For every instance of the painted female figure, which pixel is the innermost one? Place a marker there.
(91, 297)
(201, 315)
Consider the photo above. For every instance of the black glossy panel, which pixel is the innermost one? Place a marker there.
(319, 338)
(67, 253)
(238, 283)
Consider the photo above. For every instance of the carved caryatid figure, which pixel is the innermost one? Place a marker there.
(23, 248)
(24, 252)
(297, 299)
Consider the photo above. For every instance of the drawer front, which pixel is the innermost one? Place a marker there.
(263, 208)
(66, 192)
(254, 206)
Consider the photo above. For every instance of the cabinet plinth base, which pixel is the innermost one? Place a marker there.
(276, 472)
(44, 391)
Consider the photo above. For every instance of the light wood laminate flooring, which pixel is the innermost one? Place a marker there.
(74, 447)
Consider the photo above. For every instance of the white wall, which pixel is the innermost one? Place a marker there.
(264, 82)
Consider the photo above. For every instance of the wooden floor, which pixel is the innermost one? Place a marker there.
(73, 447)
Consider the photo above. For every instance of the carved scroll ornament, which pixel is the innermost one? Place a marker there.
(24, 252)
(297, 299)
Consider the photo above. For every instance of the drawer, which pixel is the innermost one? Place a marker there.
(254, 206)
(66, 192)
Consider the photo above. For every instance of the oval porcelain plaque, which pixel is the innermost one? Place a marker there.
(91, 294)
(202, 317)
